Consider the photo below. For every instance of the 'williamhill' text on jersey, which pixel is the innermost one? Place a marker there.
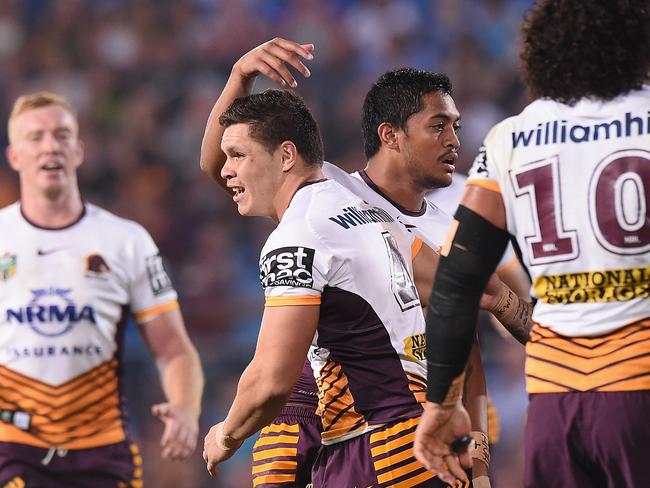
(575, 181)
(354, 260)
(65, 295)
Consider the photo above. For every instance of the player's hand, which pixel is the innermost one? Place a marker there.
(181, 430)
(272, 59)
(438, 428)
(493, 292)
(217, 449)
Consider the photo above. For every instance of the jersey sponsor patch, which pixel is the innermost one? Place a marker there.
(158, 279)
(288, 266)
(614, 285)
(51, 312)
(415, 347)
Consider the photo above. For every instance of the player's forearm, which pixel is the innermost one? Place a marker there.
(259, 399)
(514, 313)
(212, 157)
(475, 391)
(182, 380)
(464, 270)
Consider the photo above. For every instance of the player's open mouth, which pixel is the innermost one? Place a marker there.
(238, 191)
(450, 160)
(52, 166)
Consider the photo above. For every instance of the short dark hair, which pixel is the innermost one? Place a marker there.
(394, 97)
(275, 116)
(592, 48)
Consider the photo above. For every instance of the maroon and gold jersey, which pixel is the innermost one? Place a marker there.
(65, 296)
(575, 181)
(354, 260)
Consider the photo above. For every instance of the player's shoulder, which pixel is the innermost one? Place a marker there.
(9, 213)
(315, 202)
(113, 225)
(321, 210)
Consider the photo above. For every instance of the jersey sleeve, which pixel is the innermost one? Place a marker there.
(485, 170)
(150, 288)
(295, 267)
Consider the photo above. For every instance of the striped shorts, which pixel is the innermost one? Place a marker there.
(285, 451)
(379, 459)
(112, 466)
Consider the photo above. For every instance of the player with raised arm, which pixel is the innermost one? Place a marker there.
(421, 172)
(344, 292)
(70, 275)
(569, 177)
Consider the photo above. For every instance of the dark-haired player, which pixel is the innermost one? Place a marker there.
(569, 177)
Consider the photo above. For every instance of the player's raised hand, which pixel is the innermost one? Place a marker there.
(439, 427)
(181, 430)
(272, 59)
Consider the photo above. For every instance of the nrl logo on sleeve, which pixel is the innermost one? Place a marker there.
(158, 279)
(288, 266)
(480, 163)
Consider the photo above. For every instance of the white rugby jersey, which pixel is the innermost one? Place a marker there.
(65, 296)
(576, 186)
(368, 355)
(430, 224)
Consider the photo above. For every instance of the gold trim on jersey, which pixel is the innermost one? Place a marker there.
(612, 285)
(487, 184)
(418, 386)
(619, 361)
(416, 247)
(292, 300)
(336, 404)
(153, 311)
(79, 414)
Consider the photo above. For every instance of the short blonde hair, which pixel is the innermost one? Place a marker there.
(38, 100)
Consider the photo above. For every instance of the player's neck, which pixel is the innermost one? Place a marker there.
(395, 184)
(293, 182)
(51, 211)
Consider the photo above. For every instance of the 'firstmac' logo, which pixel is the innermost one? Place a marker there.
(288, 266)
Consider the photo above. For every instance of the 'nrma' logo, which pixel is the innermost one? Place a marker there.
(51, 312)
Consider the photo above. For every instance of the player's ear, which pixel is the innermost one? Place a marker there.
(11, 157)
(388, 135)
(289, 154)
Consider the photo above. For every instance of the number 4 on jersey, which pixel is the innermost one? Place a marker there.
(402, 283)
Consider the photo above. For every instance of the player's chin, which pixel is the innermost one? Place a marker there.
(441, 180)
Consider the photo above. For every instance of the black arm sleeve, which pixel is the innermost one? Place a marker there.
(454, 303)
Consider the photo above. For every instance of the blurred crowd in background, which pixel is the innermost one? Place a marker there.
(143, 76)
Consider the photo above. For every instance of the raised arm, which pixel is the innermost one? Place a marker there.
(271, 59)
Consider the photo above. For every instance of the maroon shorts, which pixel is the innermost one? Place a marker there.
(381, 458)
(284, 454)
(577, 440)
(113, 466)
